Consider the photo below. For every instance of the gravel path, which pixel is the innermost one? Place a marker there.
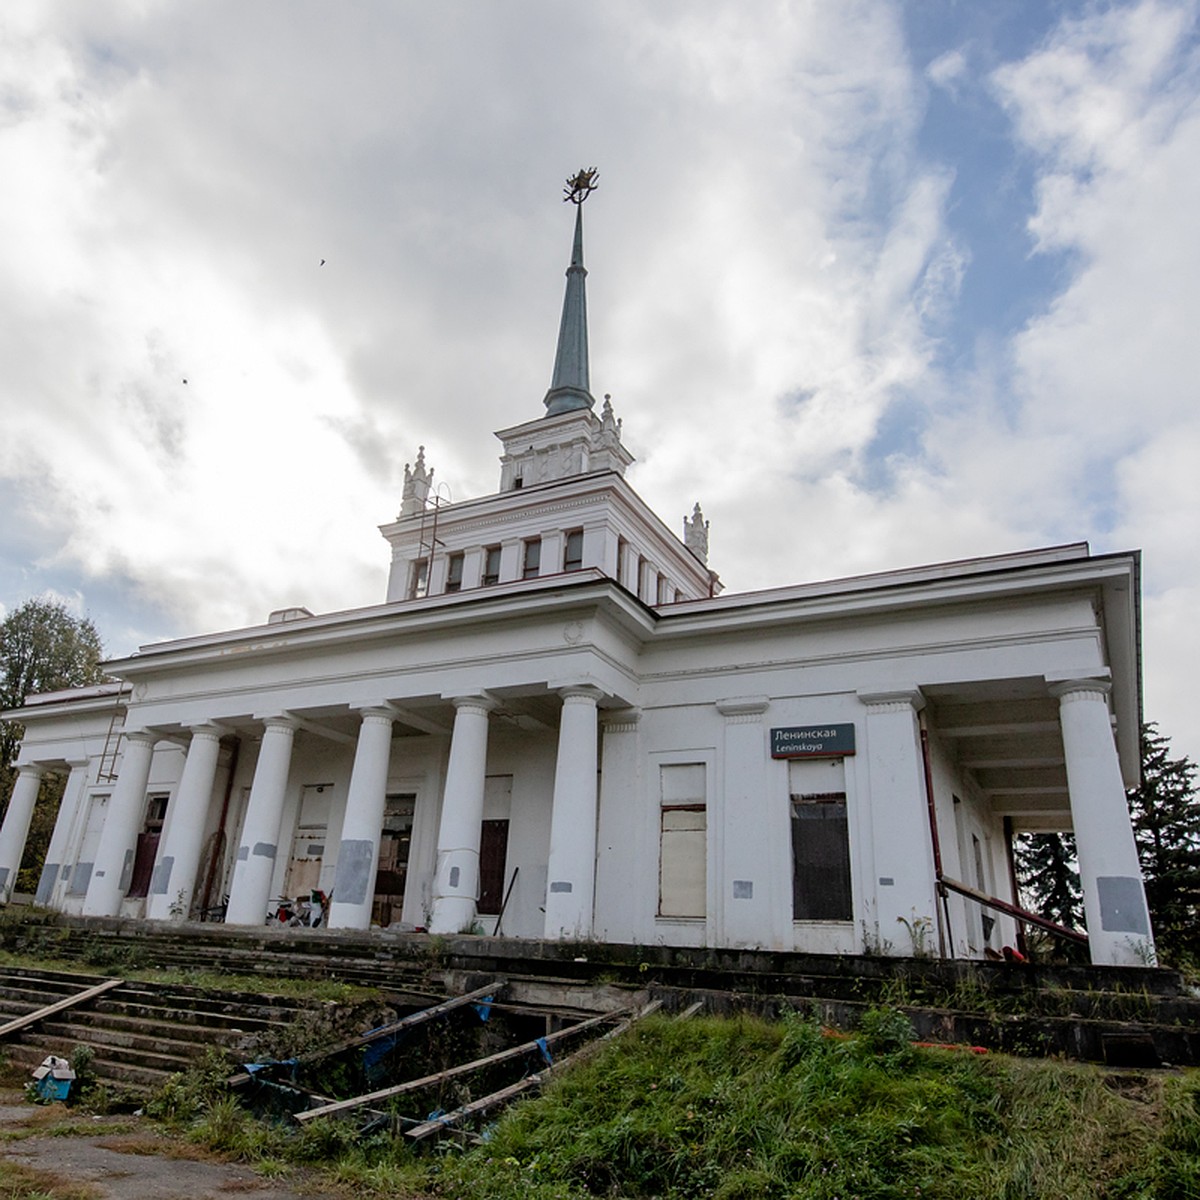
(124, 1158)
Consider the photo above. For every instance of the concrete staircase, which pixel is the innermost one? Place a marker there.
(1122, 1016)
(141, 1033)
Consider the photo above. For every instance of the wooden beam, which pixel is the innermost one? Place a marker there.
(415, 1085)
(446, 1120)
(59, 1006)
(373, 1035)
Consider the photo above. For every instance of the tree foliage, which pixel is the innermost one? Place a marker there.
(1166, 826)
(43, 648)
(1049, 877)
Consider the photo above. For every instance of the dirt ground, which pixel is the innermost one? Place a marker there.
(124, 1158)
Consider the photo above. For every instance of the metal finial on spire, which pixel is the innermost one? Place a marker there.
(582, 186)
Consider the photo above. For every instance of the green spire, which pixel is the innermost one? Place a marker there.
(569, 386)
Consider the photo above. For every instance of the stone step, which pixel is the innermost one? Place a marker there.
(137, 1078)
(168, 1042)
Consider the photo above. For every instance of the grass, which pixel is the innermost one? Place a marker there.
(741, 1108)
(332, 990)
(18, 1182)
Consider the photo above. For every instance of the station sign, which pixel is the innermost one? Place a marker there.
(812, 741)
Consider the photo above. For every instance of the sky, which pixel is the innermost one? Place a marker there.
(878, 284)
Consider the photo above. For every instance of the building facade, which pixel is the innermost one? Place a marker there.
(557, 725)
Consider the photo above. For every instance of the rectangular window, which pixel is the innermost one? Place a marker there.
(573, 551)
(820, 841)
(683, 841)
(491, 565)
(454, 573)
(419, 584)
(532, 560)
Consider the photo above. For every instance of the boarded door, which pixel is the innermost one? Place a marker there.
(308, 844)
(395, 840)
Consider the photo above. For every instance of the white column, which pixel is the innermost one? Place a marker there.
(628, 568)
(15, 829)
(600, 548)
(904, 887)
(1114, 899)
(358, 855)
(571, 869)
(472, 568)
(251, 886)
(118, 838)
(750, 828)
(456, 884)
(511, 565)
(553, 545)
(74, 795)
(174, 877)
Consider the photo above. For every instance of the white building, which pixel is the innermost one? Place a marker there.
(556, 725)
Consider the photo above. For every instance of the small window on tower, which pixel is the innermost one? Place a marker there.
(454, 573)
(491, 565)
(573, 553)
(533, 558)
(419, 584)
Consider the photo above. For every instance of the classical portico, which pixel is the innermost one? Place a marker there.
(556, 725)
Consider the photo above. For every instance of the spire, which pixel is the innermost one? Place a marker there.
(569, 387)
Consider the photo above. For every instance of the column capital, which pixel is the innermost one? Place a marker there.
(141, 736)
(481, 703)
(580, 693)
(897, 700)
(283, 721)
(31, 770)
(377, 712)
(207, 729)
(1067, 691)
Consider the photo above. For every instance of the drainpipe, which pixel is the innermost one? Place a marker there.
(944, 914)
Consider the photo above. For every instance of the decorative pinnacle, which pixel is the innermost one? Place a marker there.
(582, 186)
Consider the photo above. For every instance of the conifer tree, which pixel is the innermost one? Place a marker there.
(1049, 877)
(1166, 826)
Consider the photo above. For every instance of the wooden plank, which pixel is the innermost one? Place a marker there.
(373, 1035)
(446, 1120)
(415, 1085)
(51, 1009)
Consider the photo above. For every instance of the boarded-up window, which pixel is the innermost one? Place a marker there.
(682, 876)
(820, 842)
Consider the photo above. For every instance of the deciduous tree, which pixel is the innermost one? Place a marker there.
(44, 647)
